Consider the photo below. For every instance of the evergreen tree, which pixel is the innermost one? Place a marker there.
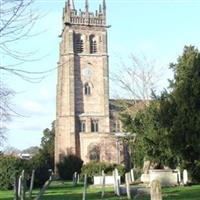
(181, 110)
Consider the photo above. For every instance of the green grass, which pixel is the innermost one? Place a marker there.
(65, 191)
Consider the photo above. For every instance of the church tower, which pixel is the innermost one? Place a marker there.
(82, 117)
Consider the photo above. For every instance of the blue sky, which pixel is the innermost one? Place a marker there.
(158, 29)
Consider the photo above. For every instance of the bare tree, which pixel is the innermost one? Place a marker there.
(17, 20)
(136, 80)
(16, 23)
(5, 109)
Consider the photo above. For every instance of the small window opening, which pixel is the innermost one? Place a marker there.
(79, 44)
(93, 44)
(94, 126)
(82, 127)
(87, 89)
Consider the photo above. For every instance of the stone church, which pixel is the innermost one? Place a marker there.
(86, 120)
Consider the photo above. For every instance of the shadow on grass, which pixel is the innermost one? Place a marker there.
(78, 196)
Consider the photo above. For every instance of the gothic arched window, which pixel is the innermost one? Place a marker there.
(94, 151)
(93, 44)
(79, 43)
(87, 89)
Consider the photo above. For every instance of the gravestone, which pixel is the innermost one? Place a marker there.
(16, 182)
(156, 193)
(127, 179)
(117, 182)
(19, 186)
(85, 187)
(132, 176)
(179, 175)
(103, 185)
(32, 183)
(185, 177)
(78, 178)
(75, 178)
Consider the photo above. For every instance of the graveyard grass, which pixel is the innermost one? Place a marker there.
(64, 190)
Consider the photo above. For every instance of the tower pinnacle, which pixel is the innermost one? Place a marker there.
(86, 6)
(104, 7)
(71, 4)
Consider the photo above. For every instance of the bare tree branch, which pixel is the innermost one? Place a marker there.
(136, 79)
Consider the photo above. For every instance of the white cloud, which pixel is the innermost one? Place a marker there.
(33, 106)
(45, 93)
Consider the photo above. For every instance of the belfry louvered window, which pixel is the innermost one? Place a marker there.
(94, 126)
(93, 44)
(79, 44)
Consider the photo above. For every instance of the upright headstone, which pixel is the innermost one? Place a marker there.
(78, 178)
(156, 192)
(23, 185)
(74, 178)
(127, 179)
(185, 177)
(132, 176)
(114, 182)
(116, 173)
(178, 176)
(32, 183)
(16, 182)
(19, 186)
(117, 182)
(103, 184)
(45, 186)
(85, 187)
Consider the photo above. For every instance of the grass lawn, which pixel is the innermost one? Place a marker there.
(65, 191)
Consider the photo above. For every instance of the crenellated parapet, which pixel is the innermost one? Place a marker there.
(73, 17)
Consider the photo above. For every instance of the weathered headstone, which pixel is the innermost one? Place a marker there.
(32, 182)
(185, 177)
(117, 182)
(132, 176)
(114, 183)
(127, 179)
(16, 182)
(178, 176)
(19, 185)
(78, 178)
(75, 179)
(85, 187)
(23, 185)
(156, 192)
(116, 172)
(45, 186)
(103, 184)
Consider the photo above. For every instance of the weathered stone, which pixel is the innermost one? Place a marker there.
(156, 193)
(185, 177)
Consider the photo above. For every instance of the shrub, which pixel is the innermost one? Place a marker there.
(68, 166)
(95, 168)
(9, 168)
(42, 164)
